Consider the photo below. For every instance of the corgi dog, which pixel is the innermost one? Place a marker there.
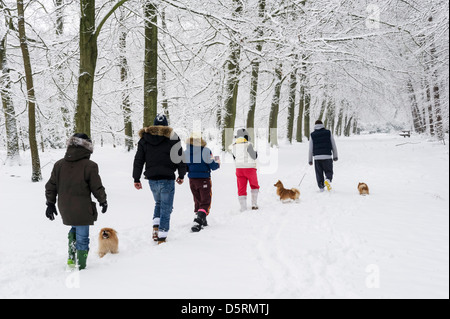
(287, 194)
(363, 189)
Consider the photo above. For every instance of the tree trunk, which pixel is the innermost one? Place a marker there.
(292, 98)
(330, 116)
(339, 122)
(430, 108)
(307, 118)
(348, 126)
(255, 73)
(435, 83)
(436, 93)
(417, 119)
(31, 100)
(322, 109)
(88, 62)
(355, 126)
(274, 110)
(301, 103)
(126, 105)
(165, 101)
(12, 138)
(232, 86)
(437, 109)
(59, 72)
(301, 107)
(231, 96)
(150, 63)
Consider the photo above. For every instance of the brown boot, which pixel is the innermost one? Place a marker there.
(155, 233)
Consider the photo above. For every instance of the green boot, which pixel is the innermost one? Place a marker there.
(82, 256)
(72, 250)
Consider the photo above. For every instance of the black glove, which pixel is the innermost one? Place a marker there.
(104, 207)
(51, 211)
(335, 159)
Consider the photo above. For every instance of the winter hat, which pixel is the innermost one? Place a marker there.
(83, 136)
(196, 135)
(81, 139)
(196, 139)
(161, 120)
(243, 133)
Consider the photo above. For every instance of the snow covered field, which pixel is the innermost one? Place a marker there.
(391, 244)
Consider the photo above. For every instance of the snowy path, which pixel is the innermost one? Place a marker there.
(391, 244)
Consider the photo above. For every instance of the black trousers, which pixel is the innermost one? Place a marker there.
(323, 167)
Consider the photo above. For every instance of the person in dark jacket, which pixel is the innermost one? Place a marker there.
(322, 148)
(160, 150)
(200, 162)
(74, 178)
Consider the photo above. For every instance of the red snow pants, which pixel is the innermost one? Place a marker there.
(244, 177)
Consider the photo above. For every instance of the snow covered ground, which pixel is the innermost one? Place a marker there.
(391, 244)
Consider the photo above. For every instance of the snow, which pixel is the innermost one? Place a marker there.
(393, 243)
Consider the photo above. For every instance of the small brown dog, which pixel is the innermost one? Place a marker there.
(363, 189)
(287, 194)
(108, 242)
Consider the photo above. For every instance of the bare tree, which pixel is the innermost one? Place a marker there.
(31, 98)
(150, 62)
(89, 34)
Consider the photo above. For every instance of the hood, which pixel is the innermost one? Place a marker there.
(318, 127)
(156, 134)
(195, 141)
(77, 149)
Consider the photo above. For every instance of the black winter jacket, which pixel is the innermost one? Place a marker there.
(73, 180)
(160, 150)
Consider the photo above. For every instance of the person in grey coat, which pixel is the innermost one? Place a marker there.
(322, 148)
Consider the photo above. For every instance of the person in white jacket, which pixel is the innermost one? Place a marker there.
(245, 158)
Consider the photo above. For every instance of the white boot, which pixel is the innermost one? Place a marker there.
(243, 202)
(255, 193)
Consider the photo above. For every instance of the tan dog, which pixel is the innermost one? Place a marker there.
(108, 242)
(287, 194)
(363, 189)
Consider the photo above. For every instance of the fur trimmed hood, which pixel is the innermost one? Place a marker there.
(77, 141)
(163, 131)
(196, 141)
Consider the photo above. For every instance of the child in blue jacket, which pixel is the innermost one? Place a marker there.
(200, 162)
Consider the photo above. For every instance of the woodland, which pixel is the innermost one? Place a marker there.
(108, 67)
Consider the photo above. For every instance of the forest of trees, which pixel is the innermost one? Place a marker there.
(107, 67)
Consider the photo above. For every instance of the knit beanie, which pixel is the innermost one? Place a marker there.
(243, 133)
(161, 120)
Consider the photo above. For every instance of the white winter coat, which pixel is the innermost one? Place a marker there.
(244, 154)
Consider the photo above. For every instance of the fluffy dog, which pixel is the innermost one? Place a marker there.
(287, 194)
(363, 189)
(108, 242)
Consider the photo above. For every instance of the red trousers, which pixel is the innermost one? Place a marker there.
(246, 176)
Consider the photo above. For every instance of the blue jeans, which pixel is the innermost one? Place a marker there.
(82, 236)
(163, 193)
